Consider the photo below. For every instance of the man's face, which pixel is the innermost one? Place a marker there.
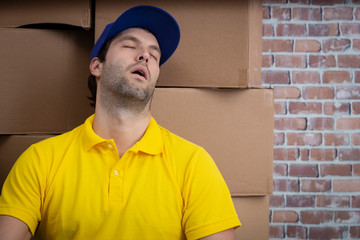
(131, 67)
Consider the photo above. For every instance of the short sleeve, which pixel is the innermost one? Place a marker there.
(23, 190)
(208, 205)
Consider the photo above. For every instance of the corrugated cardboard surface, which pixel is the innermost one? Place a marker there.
(43, 87)
(15, 13)
(220, 41)
(11, 147)
(235, 126)
(253, 213)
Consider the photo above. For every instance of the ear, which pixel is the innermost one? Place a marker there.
(96, 67)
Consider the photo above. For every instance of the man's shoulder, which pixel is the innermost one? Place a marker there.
(58, 141)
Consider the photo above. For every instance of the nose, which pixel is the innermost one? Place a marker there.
(143, 56)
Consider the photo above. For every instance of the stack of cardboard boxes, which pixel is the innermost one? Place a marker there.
(209, 92)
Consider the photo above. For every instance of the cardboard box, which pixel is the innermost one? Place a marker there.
(24, 12)
(221, 41)
(43, 87)
(234, 125)
(253, 213)
(11, 147)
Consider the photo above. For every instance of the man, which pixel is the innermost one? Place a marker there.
(120, 175)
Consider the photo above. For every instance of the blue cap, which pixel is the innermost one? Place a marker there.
(156, 20)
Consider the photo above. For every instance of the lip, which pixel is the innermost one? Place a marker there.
(142, 69)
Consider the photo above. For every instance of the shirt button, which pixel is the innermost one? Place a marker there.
(116, 172)
(110, 146)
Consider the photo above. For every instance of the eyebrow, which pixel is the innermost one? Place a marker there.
(136, 40)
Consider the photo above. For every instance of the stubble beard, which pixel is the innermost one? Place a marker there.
(118, 93)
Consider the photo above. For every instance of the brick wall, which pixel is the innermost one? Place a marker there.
(311, 58)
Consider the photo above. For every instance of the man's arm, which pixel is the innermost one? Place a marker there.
(13, 229)
(224, 235)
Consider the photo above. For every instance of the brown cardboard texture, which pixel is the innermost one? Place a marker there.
(11, 147)
(43, 87)
(24, 12)
(253, 213)
(234, 125)
(221, 41)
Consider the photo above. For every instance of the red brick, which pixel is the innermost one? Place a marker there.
(354, 232)
(300, 201)
(286, 154)
(338, 13)
(277, 201)
(311, 185)
(302, 139)
(317, 154)
(280, 13)
(355, 139)
(326, 2)
(349, 29)
(321, 123)
(286, 185)
(349, 154)
(279, 138)
(290, 61)
(280, 108)
(305, 107)
(355, 200)
(326, 201)
(318, 93)
(315, 217)
(336, 108)
(335, 45)
(286, 123)
(280, 169)
(291, 30)
(323, 30)
(266, 12)
(349, 61)
(357, 13)
(304, 154)
(286, 92)
(348, 92)
(276, 77)
(309, 14)
(305, 77)
(356, 43)
(276, 45)
(327, 232)
(267, 60)
(347, 217)
(356, 169)
(348, 123)
(346, 185)
(285, 216)
(276, 231)
(267, 30)
(297, 232)
(336, 139)
(307, 46)
(355, 108)
(303, 170)
(322, 61)
(335, 170)
(336, 77)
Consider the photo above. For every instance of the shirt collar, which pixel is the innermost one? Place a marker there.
(150, 143)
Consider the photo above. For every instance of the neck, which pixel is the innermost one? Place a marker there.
(123, 126)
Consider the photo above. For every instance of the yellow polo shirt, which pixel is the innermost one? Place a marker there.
(75, 186)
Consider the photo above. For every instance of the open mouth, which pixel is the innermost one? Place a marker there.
(139, 71)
